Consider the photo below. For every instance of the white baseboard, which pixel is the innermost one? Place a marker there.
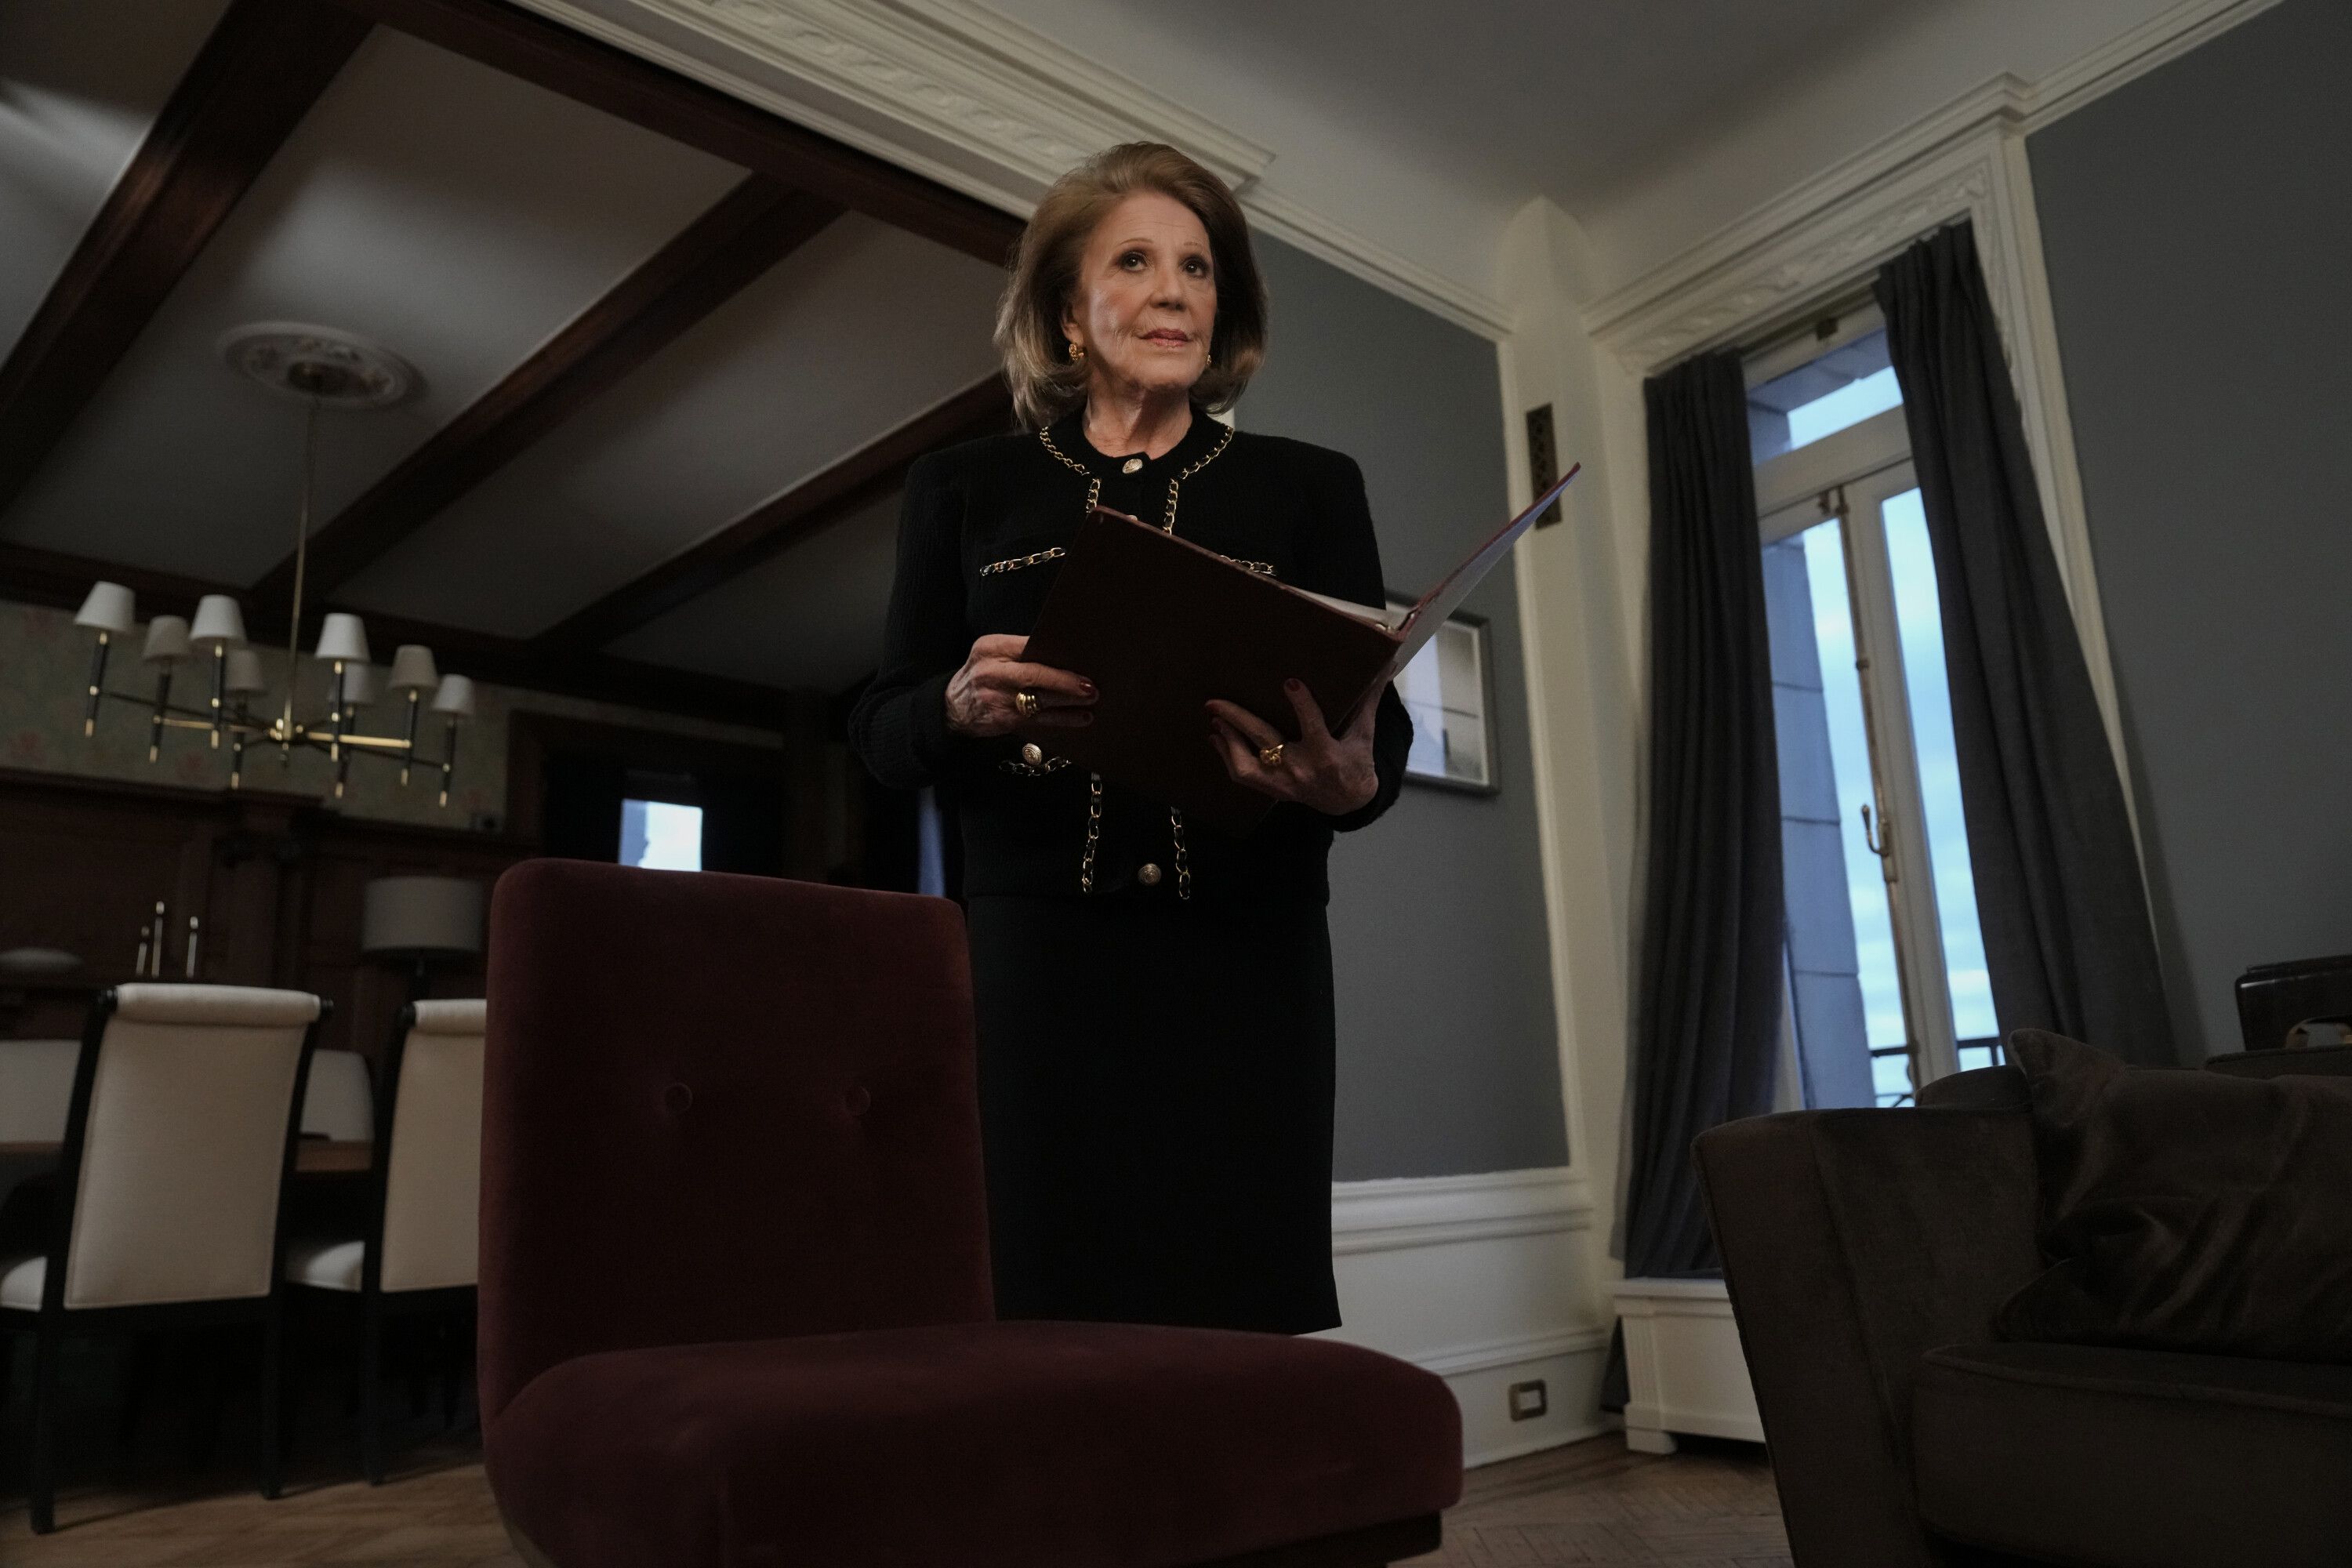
(1485, 1281)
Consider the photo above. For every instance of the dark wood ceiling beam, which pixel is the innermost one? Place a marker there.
(537, 50)
(48, 577)
(778, 523)
(264, 66)
(752, 228)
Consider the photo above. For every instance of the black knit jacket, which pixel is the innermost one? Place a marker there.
(1001, 502)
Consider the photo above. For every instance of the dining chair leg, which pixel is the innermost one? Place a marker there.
(372, 1390)
(41, 1481)
(273, 1371)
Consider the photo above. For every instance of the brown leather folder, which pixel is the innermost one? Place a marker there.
(1161, 626)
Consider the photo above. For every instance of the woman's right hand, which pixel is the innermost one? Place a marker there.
(982, 694)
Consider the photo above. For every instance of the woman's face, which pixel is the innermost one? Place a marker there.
(1145, 299)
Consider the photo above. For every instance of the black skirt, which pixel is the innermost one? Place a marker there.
(1155, 1088)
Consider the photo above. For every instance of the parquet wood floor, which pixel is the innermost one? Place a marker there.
(1589, 1503)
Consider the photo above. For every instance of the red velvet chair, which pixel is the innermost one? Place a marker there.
(735, 1303)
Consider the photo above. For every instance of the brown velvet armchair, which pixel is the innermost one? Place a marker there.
(1867, 1252)
(735, 1303)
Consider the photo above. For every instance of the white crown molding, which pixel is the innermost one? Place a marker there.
(2134, 53)
(2004, 102)
(1430, 1211)
(981, 104)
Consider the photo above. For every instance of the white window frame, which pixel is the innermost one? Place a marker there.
(1851, 475)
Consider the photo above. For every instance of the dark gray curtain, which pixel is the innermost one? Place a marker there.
(1707, 1008)
(2059, 893)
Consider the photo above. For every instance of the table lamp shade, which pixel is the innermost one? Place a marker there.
(423, 917)
(343, 637)
(411, 668)
(219, 622)
(244, 672)
(167, 638)
(109, 608)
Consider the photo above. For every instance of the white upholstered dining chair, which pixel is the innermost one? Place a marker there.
(179, 1139)
(419, 1250)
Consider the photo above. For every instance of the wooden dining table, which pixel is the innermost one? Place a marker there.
(312, 1157)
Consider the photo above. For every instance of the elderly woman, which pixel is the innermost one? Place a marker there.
(1154, 998)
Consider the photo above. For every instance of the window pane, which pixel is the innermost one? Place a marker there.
(660, 835)
(1842, 388)
(1846, 995)
(1920, 621)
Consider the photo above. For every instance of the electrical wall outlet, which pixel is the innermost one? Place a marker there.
(1528, 1400)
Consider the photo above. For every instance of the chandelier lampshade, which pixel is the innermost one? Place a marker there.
(343, 637)
(359, 685)
(455, 696)
(411, 668)
(219, 622)
(109, 608)
(244, 672)
(167, 638)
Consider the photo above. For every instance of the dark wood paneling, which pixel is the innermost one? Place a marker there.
(754, 226)
(264, 66)
(776, 525)
(280, 883)
(510, 39)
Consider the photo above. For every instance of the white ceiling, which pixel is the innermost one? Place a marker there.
(1507, 98)
(461, 217)
(454, 215)
(854, 334)
(814, 609)
(80, 80)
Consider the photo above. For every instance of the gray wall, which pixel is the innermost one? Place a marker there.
(2199, 229)
(1448, 1058)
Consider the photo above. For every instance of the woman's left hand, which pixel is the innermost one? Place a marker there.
(1332, 774)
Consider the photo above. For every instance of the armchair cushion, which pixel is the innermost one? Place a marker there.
(2096, 1455)
(2188, 1211)
(1018, 1445)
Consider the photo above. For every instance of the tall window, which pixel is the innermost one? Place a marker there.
(1887, 980)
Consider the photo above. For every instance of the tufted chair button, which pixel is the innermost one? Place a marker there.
(858, 1100)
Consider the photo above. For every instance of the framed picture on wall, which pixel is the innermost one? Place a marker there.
(1448, 691)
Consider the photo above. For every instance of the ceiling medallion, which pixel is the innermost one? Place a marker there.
(319, 365)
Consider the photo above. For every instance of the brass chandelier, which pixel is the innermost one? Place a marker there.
(325, 369)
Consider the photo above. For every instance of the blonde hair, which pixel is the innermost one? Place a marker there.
(1047, 383)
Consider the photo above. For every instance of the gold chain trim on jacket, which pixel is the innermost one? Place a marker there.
(1015, 563)
(1094, 781)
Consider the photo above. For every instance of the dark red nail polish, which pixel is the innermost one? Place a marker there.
(1290, 685)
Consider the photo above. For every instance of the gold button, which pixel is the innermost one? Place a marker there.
(1032, 753)
(1148, 876)
(1132, 466)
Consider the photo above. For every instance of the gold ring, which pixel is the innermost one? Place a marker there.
(1271, 756)
(1025, 702)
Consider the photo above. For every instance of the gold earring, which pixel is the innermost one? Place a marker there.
(1078, 352)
